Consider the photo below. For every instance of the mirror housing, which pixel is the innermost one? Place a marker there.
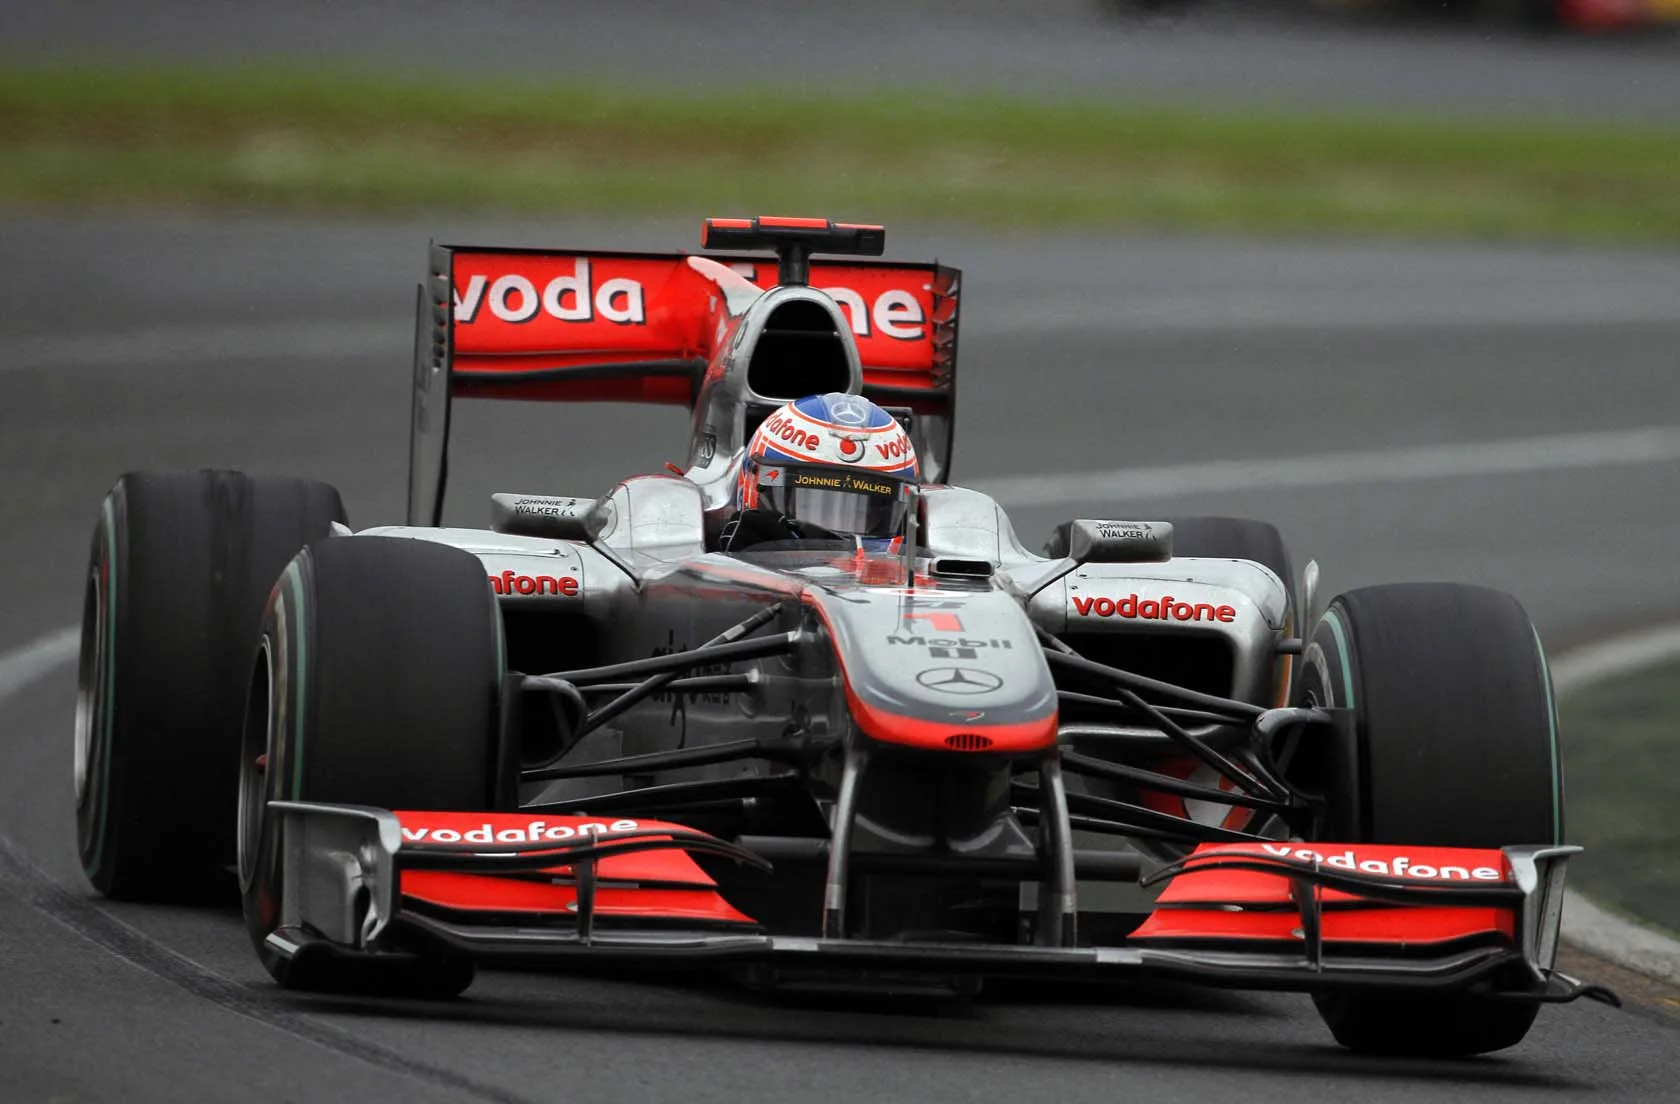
(544, 516)
(1088, 540)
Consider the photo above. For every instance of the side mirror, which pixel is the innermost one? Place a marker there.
(543, 516)
(1085, 540)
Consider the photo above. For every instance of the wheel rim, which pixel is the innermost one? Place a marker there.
(90, 683)
(252, 779)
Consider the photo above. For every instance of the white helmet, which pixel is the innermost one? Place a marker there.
(836, 461)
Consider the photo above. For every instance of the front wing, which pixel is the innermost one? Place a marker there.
(504, 889)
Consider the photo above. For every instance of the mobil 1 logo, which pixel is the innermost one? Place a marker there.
(948, 647)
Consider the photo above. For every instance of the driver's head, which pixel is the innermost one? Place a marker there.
(835, 461)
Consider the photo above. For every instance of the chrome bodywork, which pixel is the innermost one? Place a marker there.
(651, 536)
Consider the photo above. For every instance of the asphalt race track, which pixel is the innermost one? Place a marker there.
(282, 346)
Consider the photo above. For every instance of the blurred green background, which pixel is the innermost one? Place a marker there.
(347, 141)
(1291, 127)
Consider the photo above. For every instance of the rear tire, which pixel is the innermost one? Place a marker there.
(180, 568)
(1233, 538)
(1454, 745)
(377, 682)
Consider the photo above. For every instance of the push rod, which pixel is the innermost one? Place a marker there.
(1144, 682)
(1123, 812)
(676, 661)
(1080, 763)
(1178, 713)
(653, 683)
(726, 752)
(693, 684)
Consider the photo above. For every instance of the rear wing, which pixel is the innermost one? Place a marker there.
(577, 326)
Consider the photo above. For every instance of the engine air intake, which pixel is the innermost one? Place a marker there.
(800, 352)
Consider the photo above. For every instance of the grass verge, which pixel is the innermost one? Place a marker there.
(1622, 770)
(354, 142)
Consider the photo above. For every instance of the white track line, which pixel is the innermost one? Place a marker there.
(1630, 946)
(37, 658)
(199, 344)
(1584, 924)
(1649, 445)
(1622, 654)
(1323, 307)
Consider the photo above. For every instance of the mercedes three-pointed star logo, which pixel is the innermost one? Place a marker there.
(959, 680)
(848, 410)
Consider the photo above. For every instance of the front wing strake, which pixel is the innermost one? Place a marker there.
(342, 868)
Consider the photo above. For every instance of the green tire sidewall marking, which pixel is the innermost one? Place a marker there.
(1339, 631)
(300, 667)
(107, 712)
(501, 645)
(1552, 732)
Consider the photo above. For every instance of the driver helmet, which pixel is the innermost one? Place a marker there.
(835, 461)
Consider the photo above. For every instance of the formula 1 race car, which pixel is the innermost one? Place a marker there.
(588, 735)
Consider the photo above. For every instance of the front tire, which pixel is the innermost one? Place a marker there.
(377, 682)
(180, 567)
(1454, 745)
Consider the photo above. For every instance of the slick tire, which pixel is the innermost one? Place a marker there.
(180, 568)
(376, 682)
(1454, 744)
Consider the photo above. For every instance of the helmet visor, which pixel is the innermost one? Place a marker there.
(865, 504)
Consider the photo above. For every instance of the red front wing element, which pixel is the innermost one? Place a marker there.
(664, 884)
(515, 889)
(1240, 892)
(1247, 892)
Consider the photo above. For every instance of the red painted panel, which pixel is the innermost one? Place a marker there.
(1433, 866)
(488, 893)
(568, 314)
(1399, 926)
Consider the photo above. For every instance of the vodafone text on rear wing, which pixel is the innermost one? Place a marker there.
(577, 326)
